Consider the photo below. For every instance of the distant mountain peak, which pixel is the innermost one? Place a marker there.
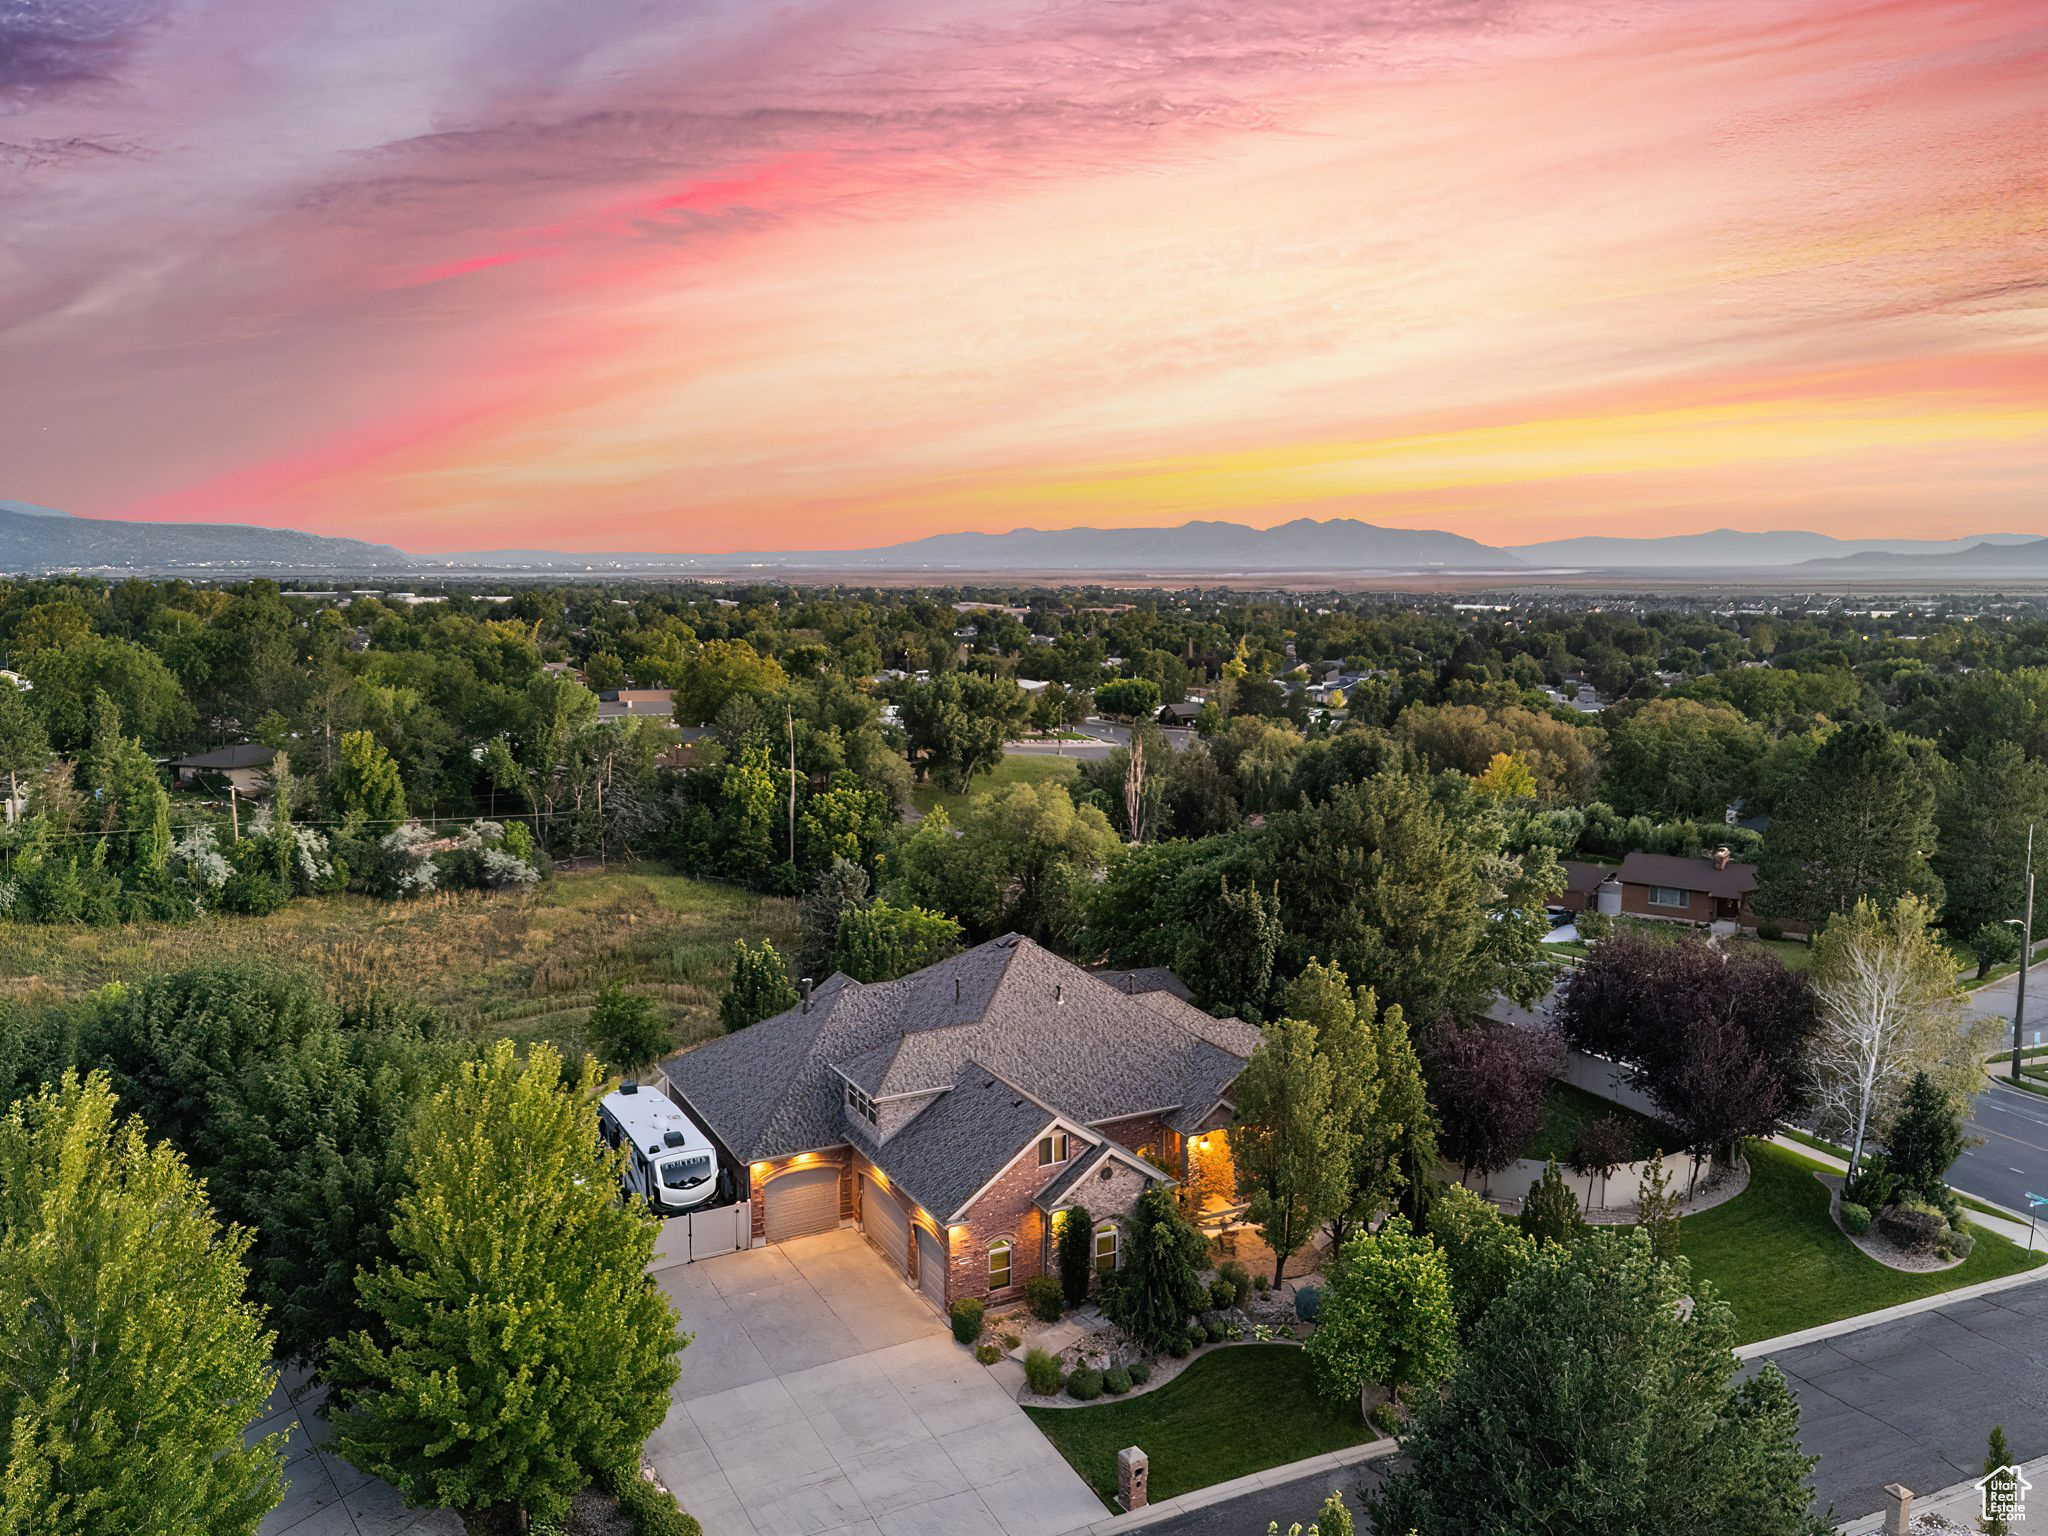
(29, 509)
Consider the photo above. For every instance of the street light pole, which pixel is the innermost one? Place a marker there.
(2019, 1010)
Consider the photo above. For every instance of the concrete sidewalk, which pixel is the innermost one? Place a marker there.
(1959, 1503)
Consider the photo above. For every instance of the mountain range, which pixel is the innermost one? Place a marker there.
(38, 539)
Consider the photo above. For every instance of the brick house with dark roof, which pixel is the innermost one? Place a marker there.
(956, 1114)
(1713, 889)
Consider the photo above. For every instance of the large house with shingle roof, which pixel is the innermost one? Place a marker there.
(955, 1115)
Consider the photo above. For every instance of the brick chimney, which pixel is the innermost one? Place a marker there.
(1721, 857)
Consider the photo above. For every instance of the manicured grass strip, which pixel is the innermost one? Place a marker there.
(1232, 1412)
(1018, 768)
(1567, 1108)
(1774, 1255)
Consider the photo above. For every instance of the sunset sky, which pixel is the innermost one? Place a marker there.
(720, 275)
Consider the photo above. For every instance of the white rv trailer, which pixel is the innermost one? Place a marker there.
(669, 1161)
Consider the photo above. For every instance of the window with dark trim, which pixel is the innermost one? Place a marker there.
(860, 1103)
(1667, 896)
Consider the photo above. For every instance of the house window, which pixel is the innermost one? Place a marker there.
(860, 1104)
(1666, 896)
(1105, 1248)
(1052, 1149)
(999, 1264)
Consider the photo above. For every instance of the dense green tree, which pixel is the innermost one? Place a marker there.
(1157, 1284)
(1592, 1399)
(142, 688)
(366, 787)
(957, 724)
(1226, 957)
(629, 1029)
(1561, 756)
(1550, 1212)
(1679, 758)
(1406, 885)
(1133, 698)
(879, 941)
(719, 671)
(1386, 1316)
(133, 1364)
(837, 891)
(24, 749)
(1290, 1146)
(1860, 823)
(1024, 861)
(294, 1111)
(519, 1346)
(1985, 809)
(759, 987)
(1998, 1463)
(1483, 1250)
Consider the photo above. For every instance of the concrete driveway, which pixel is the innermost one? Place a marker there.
(821, 1395)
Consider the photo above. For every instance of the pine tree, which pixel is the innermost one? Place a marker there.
(520, 1345)
(758, 989)
(1077, 1254)
(133, 1361)
(1657, 1210)
(1590, 1400)
(1158, 1281)
(1925, 1139)
(1551, 1212)
(1997, 1456)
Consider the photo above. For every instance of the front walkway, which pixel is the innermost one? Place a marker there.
(821, 1395)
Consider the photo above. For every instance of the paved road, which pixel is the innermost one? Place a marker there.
(2012, 1158)
(1909, 1401)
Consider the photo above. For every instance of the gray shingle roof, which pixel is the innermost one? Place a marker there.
(1050, 1197)
(1147, 978)
(965, 1138)
(1077, 1044)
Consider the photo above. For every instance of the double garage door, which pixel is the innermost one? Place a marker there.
(800, 1203)
(889, 1229)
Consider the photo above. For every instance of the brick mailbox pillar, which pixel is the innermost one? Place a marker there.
(1898, 1510)
(1133, 1474)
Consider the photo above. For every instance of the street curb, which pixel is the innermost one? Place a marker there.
(1864, 1320)
(1251, 1482)
(1942, 1501)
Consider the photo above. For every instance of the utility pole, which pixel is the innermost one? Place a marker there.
(789, 720)
(2019, 1010)
(234, 812)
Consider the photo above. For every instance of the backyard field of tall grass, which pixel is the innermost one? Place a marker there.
(526, 964)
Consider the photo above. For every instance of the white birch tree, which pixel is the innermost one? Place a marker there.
(1889, 1007)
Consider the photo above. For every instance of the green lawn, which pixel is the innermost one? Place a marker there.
(522, 963)
(1566, 1109)
(1795, 954)
(1232, 1412)
(1017, 768)
(1776, 1257)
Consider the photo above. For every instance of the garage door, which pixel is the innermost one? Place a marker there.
(801, 1202)
(885, 1224)
(931, 1269)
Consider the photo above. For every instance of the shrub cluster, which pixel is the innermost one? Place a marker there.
(967, 1313)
